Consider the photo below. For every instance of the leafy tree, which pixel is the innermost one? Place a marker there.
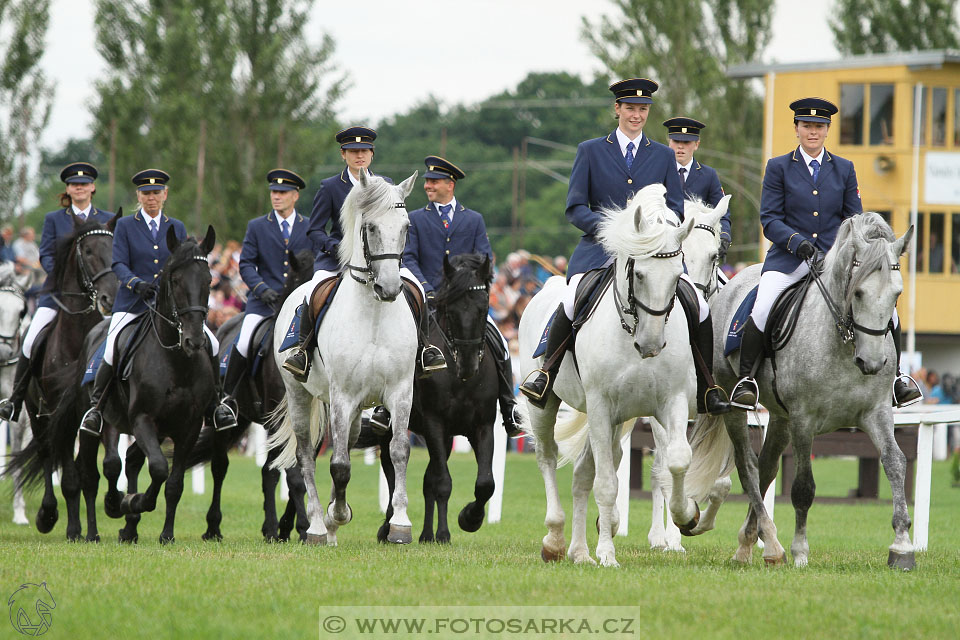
(881, 26)
(25, 95)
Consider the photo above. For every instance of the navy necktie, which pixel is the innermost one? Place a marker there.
(629, 157)
(683, 175)
(816, 169)
(153, 229)
(445, 215)
(285, 229)
(82, 216)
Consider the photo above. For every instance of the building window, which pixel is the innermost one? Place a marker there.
(956, 117)
(935, 243)
(881, 114)
(938, 119)
(918, 261)
(851, 114)
(955, 243)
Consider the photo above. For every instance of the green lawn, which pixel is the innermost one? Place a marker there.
(244, 588)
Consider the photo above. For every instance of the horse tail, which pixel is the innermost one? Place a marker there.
(571, 436)
(26, 465)
(207, 443)
(282, 436)
(318, 422)
(712, 456)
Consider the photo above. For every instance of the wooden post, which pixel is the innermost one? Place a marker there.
(514, 212)
(112, 184)
(201, 162)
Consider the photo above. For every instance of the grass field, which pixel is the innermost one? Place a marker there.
(245, 588)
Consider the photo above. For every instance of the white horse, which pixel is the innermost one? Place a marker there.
(365, 356)
(632, 362)
(12, 325)
(700, 249)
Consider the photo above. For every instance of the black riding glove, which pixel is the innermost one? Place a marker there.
(722, 253)
(269, 296)
(806, 250)
(146, 290)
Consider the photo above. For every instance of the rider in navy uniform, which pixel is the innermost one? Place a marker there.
(77, 208)
(265, 262)
(357, 150)
(699, 180)
(139, 253)
(806, 195)
(606, 173)
(443, 229)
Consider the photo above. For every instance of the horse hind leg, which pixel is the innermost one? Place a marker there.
(47, 514)
(134, 462)
(219, 463)
(89, 482)
(269, 478)
(542, 423)
(339, 512)
(20, 433)
(584, 473)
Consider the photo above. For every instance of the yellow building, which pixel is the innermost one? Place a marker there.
(875, 129)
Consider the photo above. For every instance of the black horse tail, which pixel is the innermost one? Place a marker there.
(64, 422)
(210, 441)
(26, 465)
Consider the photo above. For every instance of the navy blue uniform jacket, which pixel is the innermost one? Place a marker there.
(704, 183)
(265, 259)
(794, 209)
(137, 258)
(56, 226)
(326, 210)
(599, 179)
(428, 241)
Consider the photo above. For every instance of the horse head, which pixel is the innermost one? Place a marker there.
(375, 218)
(83, 265)
(12, 309)
(701, 248)
(184, 288)
(462, 303)
(865, 269)
(646, 242)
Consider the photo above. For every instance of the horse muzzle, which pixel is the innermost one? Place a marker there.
(870, 367)
(385, 294)
(648, 351)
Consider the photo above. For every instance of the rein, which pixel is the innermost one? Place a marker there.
(370, 258)
(175, 313)
(624, 310)
(706, 289)
(84, 279)
(845, 322)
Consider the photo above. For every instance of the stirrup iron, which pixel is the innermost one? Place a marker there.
(756, 392)
(531, 394)
(910, 381)
(432, 349)
(83, 422)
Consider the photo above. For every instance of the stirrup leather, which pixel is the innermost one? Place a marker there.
(756, 392)
(432, 349)
(532, 394)
(92, 411)
(910, 381)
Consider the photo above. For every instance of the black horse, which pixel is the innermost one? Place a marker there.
(459, 400)
(171, 383)
(256, 398)
(85, 286)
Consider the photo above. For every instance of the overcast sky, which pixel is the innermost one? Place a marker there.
(397, 52)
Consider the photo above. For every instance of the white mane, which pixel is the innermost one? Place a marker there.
(618, 229)
(378, 198)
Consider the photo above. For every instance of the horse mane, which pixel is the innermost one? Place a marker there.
(184, 253)
(362, 201)
(872, 229)
(618, 231)
(467, 266)
(694, 207)
(61, 256)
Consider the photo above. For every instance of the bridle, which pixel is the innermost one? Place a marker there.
(369, 258)
(13, 340)
(84, 279)
(175, 312)
(623, 310)
(709, 290)
(845, 322)
(454, 344)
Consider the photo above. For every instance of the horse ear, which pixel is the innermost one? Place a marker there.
(113, 221)
(486, 270)
(638, 222)
(209, 240)
(407, 185)
(903, 243)
(721, 209)
(448, 269)
(364, 177)
(685, 228)
(172, 241)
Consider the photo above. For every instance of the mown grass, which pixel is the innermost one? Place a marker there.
(245, 588)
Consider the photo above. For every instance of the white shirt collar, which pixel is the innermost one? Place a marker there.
(453, 207)
(623, 140)
(148, 219)
(687, 166)
(808, 158)
(290, 218)
(85, 212)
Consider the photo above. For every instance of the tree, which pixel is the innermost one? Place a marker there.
(686, 46)
(25, 96)
(881, 26)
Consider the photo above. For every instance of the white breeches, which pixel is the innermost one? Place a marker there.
(122, 318)
(490, 321)
(772, 284)
(42, 317)
(320, 275)
(571, 293)
(250, 322)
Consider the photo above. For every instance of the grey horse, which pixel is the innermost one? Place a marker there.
(861, 276)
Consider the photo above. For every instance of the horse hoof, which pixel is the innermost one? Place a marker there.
(687, 529)
(166, 540)
(46, 519)
(400, 534)
(340, 521)
(775, 561)
(93, 538)
(126, 505)
(468, 524)
(316, 539)
(903, 561)
(124, 538)
(215, 536)
(551, 556)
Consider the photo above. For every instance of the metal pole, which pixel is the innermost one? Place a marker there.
(918, 115)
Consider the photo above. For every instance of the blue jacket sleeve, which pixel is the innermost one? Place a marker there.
(48, 244)
(121, 257)
(481, 241)
(852, 205)
(578, 195)
(411, 255)
(772, 211)
(319, 217)
(713, 198)
(249, 258)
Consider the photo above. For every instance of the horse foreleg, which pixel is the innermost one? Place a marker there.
(343, 414)
(542, 423)
(134, 463)
(880, 429)
(269, 478)
(386, 464)
(399, 407)
(605, 484)
(19, 438)
(145, 431)
(89, 481)
(584, 472)
(432, 478)
(677, 456)
(112, 466)
(70, 488)
(219, 463)
(804, 489)
(471, 516)
(174, 488)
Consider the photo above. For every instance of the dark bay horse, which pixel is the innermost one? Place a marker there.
(86, 286)
(213, 445)
(459, 400)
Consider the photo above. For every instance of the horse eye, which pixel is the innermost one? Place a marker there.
(858, 295)
(638, 275)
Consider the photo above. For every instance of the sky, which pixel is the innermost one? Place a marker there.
(397, 53)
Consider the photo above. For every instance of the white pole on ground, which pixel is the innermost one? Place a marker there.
(123, 443)
(197, 479)
(623, 480)
(370, 456)
(461, 445)
(259, 436)
(4, 425)
(384, 490)
(921, 497)
(499, 463)
(284, 487)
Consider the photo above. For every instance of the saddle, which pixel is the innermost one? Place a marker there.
(258, 345)
(129, 339)
(780, 323)
(589, 292)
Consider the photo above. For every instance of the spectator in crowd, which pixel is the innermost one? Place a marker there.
(25, 248)
(937, 394)
(6, 239)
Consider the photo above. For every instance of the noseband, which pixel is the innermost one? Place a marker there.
(458, 343)
(371, 258)
(175, 312)
(84, 279)
(623, 310)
